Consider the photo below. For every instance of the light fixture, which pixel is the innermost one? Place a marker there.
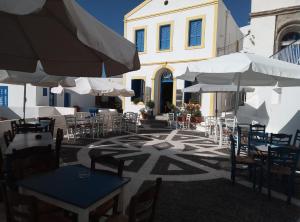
(166, 2)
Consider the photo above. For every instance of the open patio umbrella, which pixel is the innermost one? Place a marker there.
(38, 78)
(205, 88)
(66, 39)
(96, 87)
(244, 69)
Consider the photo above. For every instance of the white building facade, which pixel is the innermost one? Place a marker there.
(275, 29)
(38, 99)
(169, 36)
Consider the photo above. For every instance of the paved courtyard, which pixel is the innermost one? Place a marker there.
(195, 173)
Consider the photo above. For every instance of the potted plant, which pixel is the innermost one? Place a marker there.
(136, 101)
(197, 115)
(150, 105)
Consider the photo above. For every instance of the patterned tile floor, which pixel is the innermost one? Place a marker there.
(181, 158)
(188, 162)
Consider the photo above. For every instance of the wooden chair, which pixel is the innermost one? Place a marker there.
(31, 161)
(58, 142)
(257, 128)
(1, 170)
(7, 137)
(282, 161)
(237, 159)
(296, 142)
(242, 140)
(281, 139)
(14, 127)
(50, 122)
(116, 164)
(142, 205)
(22, 208)
(256, 138)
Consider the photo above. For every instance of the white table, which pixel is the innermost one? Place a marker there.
(66, 189)
(26, 140)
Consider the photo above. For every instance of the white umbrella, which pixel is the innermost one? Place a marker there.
(65, 38)
(215, 88)
(244, 69)
(96, 87)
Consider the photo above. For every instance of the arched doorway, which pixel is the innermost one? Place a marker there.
(166, 91)
(163, 89)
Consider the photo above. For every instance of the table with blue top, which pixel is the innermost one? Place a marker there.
(74, 188)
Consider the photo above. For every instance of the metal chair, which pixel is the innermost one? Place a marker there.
(101, 124)
(71, 126)
(171, 120)
(117, 121)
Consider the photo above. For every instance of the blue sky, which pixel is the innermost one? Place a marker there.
(111, 12)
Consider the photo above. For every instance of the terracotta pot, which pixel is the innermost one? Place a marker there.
(180, 118)
(145, 115)
(197, 119)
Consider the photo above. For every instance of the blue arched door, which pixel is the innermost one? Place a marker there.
(166, 91)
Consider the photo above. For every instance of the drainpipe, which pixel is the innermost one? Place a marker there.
(225, 37)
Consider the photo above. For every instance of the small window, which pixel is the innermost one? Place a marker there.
(140, 40)
(195, 33)
(67, 99)
(45, 92)
(3, 96)
(164, 37)
(138, 86)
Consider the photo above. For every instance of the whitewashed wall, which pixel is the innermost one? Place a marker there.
(179, 19)
(264, 5)
(280, 111)
(228, 32)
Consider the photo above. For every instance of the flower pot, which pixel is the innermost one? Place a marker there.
(144, 115)
(197, 119)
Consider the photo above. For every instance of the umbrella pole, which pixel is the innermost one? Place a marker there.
(24, 102)
(237, 98)
(216, 108)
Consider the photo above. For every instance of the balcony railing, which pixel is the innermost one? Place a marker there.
(290, 53)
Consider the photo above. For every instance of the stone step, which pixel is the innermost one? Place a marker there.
(153, 123)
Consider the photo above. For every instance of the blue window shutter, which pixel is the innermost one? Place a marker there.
(139, 40)
(164, 37)
(45, 91)
(3, 96)
(195, 32)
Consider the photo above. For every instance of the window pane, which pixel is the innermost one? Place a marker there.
(195, 32)
(164, 37)
(45, 91)
(3, 96)
(138, 86)
(67, 100)
(139, 40)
